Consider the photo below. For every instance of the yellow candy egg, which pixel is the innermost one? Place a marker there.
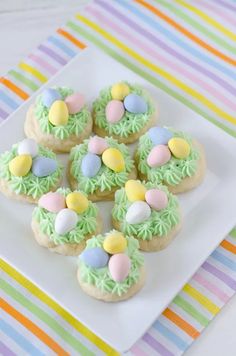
(179, 147)
(58, 113)
(119, 91)
(77, 202)
(135, 190)
(113, 159)
(115, 243)
(20, 165)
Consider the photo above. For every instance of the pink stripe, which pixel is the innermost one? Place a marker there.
(43, 63)
(164, 60)
(137, 351)
(219, 12)
(211, 287)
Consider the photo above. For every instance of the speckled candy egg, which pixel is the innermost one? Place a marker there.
(95, 257)
(49, 96)
(135, 190)
(135, 104)
(158, 156)
(43, 166)
(119, 91)
(138, 212)
(119, 267)
(20, 165)
(65, 221)
(77, 201)
(97, 145)
(115, 243)
(28, 146)
(52, 201)
(159, 135)
(90, 165)
(179, 147)
(75, 102)
(58, 113)
(113, 159)
(114, 111)
(156, 199)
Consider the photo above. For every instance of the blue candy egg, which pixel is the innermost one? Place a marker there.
(43, 166)
(135, 104)
(95, 257)
(90, 165)
(49, 96)
(160, 135)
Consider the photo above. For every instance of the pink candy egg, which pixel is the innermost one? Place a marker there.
(119, 266)
(114, 111)
(75, 102)
(158, 156)
(97, 145)
(52, 201)
(156, 199)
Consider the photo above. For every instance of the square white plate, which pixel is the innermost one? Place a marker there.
(209, 214)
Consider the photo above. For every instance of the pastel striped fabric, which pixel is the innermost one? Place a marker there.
(186, 48)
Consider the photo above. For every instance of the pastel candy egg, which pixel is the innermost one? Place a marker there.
(90, 165)
(65, 221)
(52, 201)
(95, 257)
(160, 135)
(58, 113)
(179, 147)
(156, 199)
(119, 266)
(135, 190)
(75, 102)
(119, 91)
(138, 212)
(20, 165)
(158, 156)
(43, 166)
(113, 159)
(114, 111)
(97, 145)
(28, 146)
(49, 96)
(115, 243)
(77, 201)
(135, 104)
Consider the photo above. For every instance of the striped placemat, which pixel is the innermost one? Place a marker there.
(186, 48)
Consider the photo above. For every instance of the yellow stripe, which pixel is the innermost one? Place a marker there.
(27, 68)
(210, 306)
(208, 19)
(57, 308)
(158, 70)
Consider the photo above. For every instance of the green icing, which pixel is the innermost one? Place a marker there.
(175, 169)
(160, 223)
(29, 184)
(86, 225)
(130, 123)
(105, 179)
(101, 277)
(76, 122)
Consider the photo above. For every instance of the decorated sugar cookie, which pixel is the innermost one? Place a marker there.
(123, 111)
(59, 119)
(28, 171)
(64, 220)
(172, 158)
(99, 166)
(111, 268)
(147, 211)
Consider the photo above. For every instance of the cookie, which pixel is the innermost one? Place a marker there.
(111, 268)
(59, 119)
(123, 111)
(64, 220)
(29, 170)
(148, 212)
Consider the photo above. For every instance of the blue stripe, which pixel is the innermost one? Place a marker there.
(58, 43)
(183, 45)
(224, 260)
(19, 339)
(175, 339)
(9, 101)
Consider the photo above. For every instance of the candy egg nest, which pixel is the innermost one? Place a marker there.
(129, 123)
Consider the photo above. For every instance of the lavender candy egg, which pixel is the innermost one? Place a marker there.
(114, 111)
(95, 257)
(158, 156)
(119, 266)
(43, 166)
(90, 165)
(49, 96)
(160, 135)
(135, 104)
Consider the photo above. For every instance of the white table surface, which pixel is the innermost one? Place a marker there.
(24, 24)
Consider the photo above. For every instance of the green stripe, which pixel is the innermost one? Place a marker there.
(24, 80)
(233, 232)
(148, 76)
(214, 37)
(188, 308)
(46, 318)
